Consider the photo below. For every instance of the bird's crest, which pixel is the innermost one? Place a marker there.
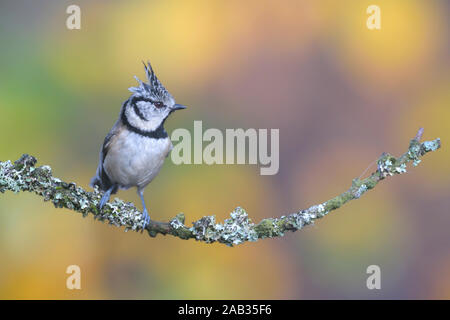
(153, 89)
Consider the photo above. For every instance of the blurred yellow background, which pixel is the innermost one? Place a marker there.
(340, 94)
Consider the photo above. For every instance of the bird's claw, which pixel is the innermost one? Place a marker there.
(146, 218)
(105, 197)
(103, 201)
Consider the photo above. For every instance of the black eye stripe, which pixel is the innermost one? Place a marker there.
(157, 104)
(135, 100)
(138, 112)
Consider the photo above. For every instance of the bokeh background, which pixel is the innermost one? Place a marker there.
(339, 93)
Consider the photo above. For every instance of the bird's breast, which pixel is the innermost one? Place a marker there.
(134, 160)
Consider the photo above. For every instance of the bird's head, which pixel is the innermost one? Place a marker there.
(150, 104)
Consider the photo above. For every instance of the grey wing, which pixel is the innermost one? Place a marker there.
(170, 149)
(101, 178)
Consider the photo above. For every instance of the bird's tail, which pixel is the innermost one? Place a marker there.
(102, 181)
(95, 181)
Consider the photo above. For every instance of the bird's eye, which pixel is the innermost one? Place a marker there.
(159, 104)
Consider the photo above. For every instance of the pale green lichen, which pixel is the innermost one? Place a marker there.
(361, 190)
(386, 165)
(235, 230)
(334, 203)
(414, 149)
(266, 228)
(370, 183)
(177, 222)
(432, 145)
(401, 168)
(23, 176)
(276, 227)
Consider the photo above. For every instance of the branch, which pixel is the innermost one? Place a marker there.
(24, 176)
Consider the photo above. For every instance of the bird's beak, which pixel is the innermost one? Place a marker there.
(178, 107)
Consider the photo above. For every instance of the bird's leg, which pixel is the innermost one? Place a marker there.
(106, 197)
(145, 212)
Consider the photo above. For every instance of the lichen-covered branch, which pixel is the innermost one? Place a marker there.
(22, 175)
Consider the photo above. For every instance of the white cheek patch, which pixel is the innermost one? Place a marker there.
(153, 122)
(144, 110)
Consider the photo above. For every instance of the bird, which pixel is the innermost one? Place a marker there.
(134, 150)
